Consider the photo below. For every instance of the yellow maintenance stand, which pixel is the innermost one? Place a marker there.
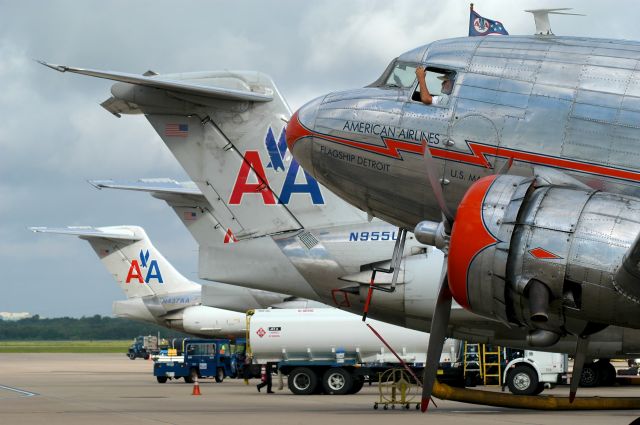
(491, 364)
(396, 389)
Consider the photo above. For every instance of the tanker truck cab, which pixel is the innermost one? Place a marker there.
(530, 371)
(199, 358)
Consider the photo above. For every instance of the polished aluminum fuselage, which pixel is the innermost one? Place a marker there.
(561, 102)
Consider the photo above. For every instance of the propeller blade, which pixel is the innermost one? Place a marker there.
(578, 364)
(436, 185)
(439, 324)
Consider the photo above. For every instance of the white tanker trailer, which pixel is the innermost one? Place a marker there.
(329, 350)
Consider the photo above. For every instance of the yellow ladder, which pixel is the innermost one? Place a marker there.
(491, 364)
(471, 360)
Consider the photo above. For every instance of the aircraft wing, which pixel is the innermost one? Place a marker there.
(160, 82)
(86, 232)
(160, 186)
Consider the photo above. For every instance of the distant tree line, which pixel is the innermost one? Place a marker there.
(86, 328)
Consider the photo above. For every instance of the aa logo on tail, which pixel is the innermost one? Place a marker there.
(252, 168)
(152, 269)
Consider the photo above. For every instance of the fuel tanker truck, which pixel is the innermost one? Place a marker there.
(332, 351)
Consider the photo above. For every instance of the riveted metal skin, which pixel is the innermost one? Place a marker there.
(568, 239)
(570, 103)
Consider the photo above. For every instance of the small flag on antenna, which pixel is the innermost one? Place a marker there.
(479, 26)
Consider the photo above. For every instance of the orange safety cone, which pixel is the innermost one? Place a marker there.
(196, 388)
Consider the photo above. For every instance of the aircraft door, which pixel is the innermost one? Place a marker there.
(430, 123)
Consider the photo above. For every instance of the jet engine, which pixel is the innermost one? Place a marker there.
(554, 259)
(208, 322)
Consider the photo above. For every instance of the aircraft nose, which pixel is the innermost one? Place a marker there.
(300, 133)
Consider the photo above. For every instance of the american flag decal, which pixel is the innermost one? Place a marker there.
(189, 215)
(176, 130)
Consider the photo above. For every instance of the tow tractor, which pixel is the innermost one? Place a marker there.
(197, 358)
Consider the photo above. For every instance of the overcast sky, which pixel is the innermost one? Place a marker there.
(54, 135)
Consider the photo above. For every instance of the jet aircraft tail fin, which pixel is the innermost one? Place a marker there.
(186, 200)
(128, 254)
(227, 130)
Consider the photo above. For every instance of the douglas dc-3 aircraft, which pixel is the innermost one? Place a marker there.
(527, 175)
(157, 293)
(212, 123)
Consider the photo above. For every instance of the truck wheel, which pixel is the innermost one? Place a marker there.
(337, 381)
(220, 375)
(522, 380)
(607, 372)
(358, 383)
(146, 356)
(161, 379)
(191, 377)
(302, 381)
(132, 356)
(590, 375)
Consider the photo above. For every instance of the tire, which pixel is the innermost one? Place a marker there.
(539, 389)
(146, 356)
(337, 381)
(191, 378)
(522, 380)
(607, 373)
(590, 375)
(219, 375)
(131, 356)
(358, 383)
(302, 381)
(161, 379)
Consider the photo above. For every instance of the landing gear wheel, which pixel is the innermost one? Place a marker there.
(219, 375)
(375, 406)
(523, 380)
(302, 381)
(590, 375)
(337, 381)
(161, 379)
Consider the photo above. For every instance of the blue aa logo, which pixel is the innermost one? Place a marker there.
(152, 269)
(252, 169)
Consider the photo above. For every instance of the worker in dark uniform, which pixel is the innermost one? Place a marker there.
(266, 373)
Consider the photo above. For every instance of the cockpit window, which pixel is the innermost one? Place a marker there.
(440, 84)
(402, 76)
(397, 74)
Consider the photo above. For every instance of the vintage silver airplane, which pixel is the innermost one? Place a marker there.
(157, 293)
(525, 171)
(210, 122)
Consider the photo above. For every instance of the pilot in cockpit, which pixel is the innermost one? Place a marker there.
(425, 96)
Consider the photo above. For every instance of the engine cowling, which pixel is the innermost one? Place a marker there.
(544, 257)
(210, 322)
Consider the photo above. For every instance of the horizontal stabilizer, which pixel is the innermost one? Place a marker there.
(160, 185)
(159, 82)
(87, 232)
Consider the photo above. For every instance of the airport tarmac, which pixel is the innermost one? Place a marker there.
(111, 389)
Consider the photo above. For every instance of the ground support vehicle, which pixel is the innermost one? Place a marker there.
(331, 351)
(201, 358)
(143, 347)
(529, 371)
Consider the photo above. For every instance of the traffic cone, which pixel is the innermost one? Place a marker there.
(196, 388)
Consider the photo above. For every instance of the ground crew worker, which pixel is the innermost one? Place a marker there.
(266, 372)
